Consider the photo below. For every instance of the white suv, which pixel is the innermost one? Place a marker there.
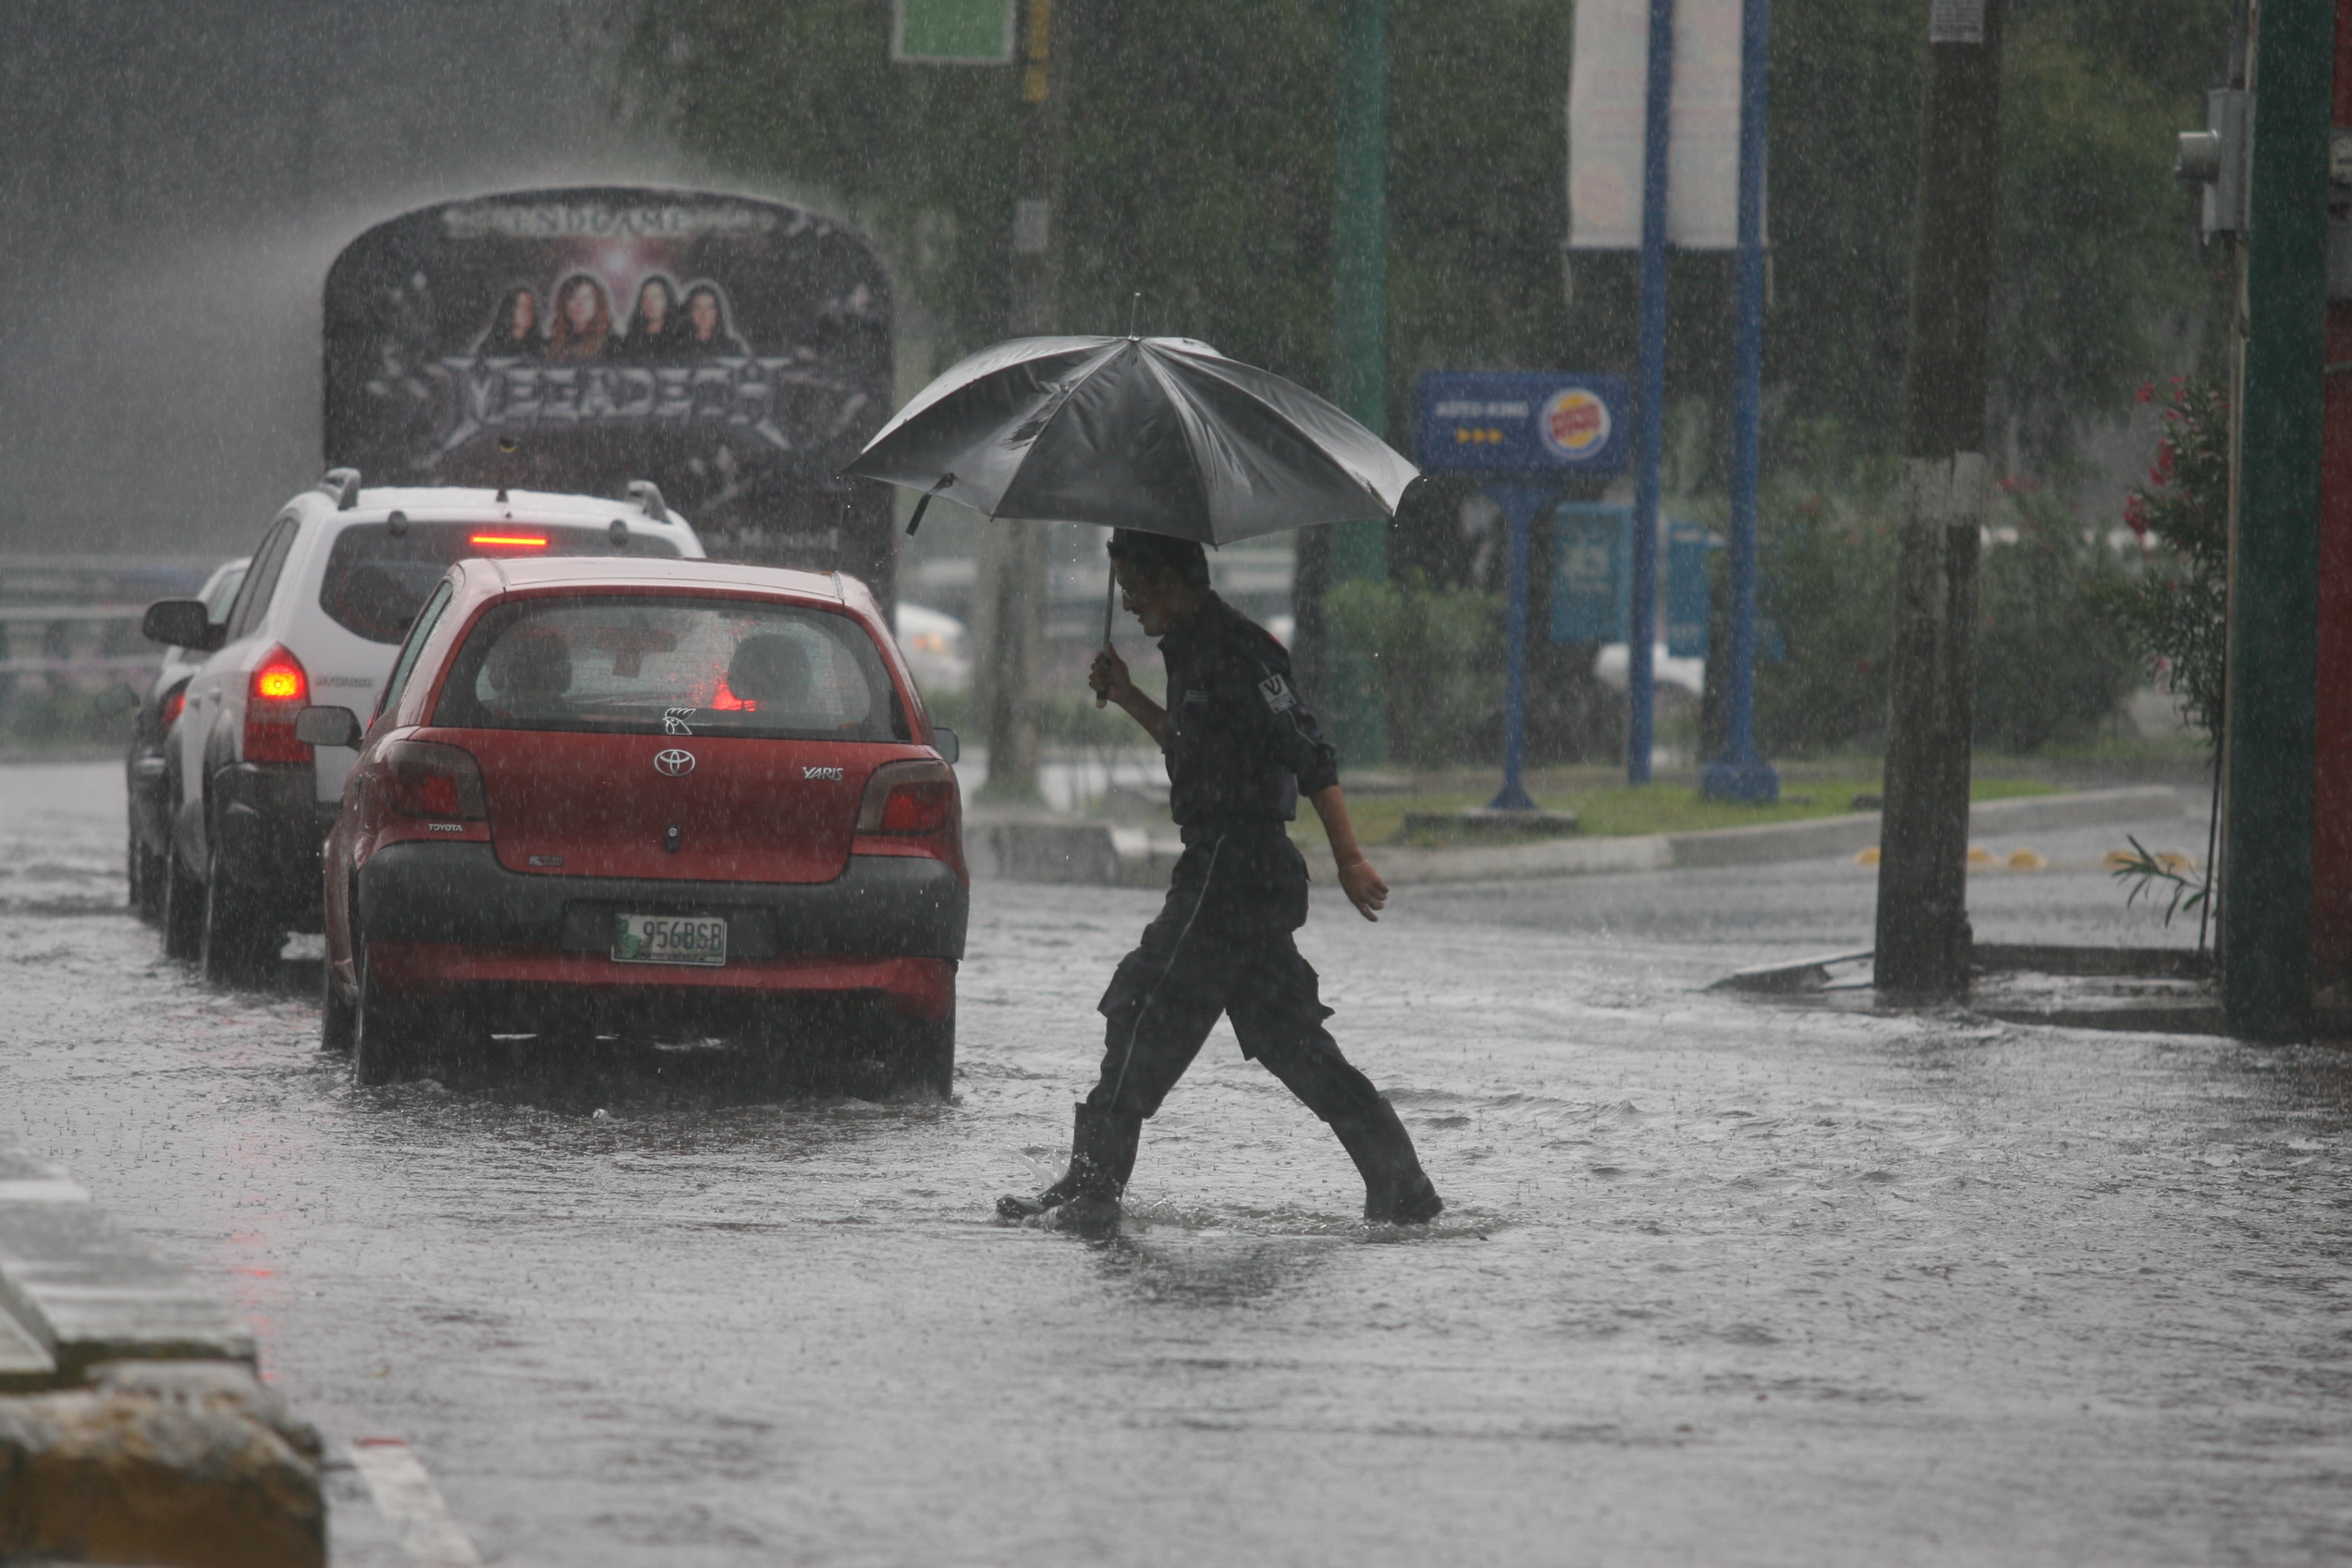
(332, 588)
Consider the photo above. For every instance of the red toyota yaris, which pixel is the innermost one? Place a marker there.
(622, 795)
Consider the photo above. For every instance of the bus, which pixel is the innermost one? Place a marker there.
(735, 353)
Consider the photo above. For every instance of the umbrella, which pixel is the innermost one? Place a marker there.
(1161, 434)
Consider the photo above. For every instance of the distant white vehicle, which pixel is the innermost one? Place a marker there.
(937, 648)
(1611, 664)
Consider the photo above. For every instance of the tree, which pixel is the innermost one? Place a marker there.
(1201, 165)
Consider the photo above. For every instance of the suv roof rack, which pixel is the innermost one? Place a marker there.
(648, 496)
(343, 483)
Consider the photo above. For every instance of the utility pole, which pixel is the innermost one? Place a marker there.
(1350, 697)
(2283, 469)
(1008, 591)
(1923, 935)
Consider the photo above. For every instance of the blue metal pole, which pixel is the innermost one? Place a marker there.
(1642, 635)
(1739, 774)
(1520, 503)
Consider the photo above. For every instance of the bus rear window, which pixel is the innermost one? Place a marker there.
(379, 573)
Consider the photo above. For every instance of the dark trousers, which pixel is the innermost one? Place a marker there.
(1222, 944)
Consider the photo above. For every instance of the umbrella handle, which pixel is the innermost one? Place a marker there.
(923, 504)
(1110, 602)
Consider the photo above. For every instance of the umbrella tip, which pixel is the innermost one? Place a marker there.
(1133, 304)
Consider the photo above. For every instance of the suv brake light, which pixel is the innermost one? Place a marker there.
(279, 691)
(424, 778)
(909, 797)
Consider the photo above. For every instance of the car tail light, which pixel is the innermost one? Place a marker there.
(909, 797)
(172, 705)
(279, 690)
(507, 541)
(425, 779)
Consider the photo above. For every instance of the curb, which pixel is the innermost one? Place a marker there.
(1763, 845)
(78, 1287)
(1044, 848)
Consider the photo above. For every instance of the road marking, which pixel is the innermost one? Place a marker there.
(406, 1495)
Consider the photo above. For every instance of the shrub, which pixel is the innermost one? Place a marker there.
(2050, 665)
(1827, 573)
(1439, 655)
(2174, 612)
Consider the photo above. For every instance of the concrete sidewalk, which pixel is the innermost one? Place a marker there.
(1042, 847)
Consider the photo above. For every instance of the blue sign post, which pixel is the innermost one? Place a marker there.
(1740, 773)
(1527, 430)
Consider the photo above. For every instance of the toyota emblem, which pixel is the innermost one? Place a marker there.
(673, 762)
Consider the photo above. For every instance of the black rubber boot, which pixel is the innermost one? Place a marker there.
(1396, 1189)
(1102, 1156)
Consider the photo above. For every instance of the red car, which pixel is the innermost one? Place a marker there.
(611, 795)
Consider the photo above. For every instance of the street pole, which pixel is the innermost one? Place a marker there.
(1358, 551)
(1522, 503)
(1009, 600)
(2278, 428)
(1923, 935)
(1642, 630)
(1739, 774)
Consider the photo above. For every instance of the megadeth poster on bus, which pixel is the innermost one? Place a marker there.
(736, 352)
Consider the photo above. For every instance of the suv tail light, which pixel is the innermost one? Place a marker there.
(172, 705)
(425, 779)
(279, 690)
(909, 798)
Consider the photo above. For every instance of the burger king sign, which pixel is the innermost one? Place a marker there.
(1574, 423)
(1518, 422)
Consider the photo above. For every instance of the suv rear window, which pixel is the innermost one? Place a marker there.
(671, 665)
(378, 575)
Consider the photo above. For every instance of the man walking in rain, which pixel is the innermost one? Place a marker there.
(1240, 748)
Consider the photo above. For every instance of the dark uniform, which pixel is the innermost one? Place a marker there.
(1241, 747)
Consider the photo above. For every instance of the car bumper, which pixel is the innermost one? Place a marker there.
(448, 916)
(272, 825)
(523, 990)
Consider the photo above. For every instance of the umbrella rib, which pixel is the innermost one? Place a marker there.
(1054, 411)
(1180, 397)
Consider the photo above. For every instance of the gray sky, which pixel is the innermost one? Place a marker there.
(180, 174)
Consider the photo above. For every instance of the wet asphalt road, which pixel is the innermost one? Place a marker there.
(1720, 1283)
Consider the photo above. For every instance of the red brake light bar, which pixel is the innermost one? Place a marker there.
(510, 541)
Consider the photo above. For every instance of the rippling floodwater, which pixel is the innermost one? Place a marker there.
(1719, 1283)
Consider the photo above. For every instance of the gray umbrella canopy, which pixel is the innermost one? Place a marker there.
(1164, 435)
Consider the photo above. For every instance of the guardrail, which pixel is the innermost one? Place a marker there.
(69, 623)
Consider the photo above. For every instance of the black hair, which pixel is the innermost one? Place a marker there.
(1156, 553)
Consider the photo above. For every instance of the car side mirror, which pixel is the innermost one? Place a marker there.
(182, 623)
(319, 726)
(944, 741)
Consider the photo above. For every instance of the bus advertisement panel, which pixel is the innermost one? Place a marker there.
(736, 352)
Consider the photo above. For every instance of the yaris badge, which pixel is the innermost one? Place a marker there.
(673, 762)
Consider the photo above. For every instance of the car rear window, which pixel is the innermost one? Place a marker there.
(379, 573)
(661, 665)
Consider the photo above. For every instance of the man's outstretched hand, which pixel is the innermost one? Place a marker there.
(1364, 888)
(1357, 879)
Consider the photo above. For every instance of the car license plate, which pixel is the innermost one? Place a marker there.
(667, 938)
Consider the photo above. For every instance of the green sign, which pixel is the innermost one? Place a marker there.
(952, 32)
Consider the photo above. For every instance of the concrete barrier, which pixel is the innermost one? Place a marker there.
(78, 1287)
(193, 1464)
(152, 1441)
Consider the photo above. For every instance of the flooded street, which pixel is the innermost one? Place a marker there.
(1719, 1282)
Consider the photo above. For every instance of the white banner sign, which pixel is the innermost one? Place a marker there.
(1606, 96)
